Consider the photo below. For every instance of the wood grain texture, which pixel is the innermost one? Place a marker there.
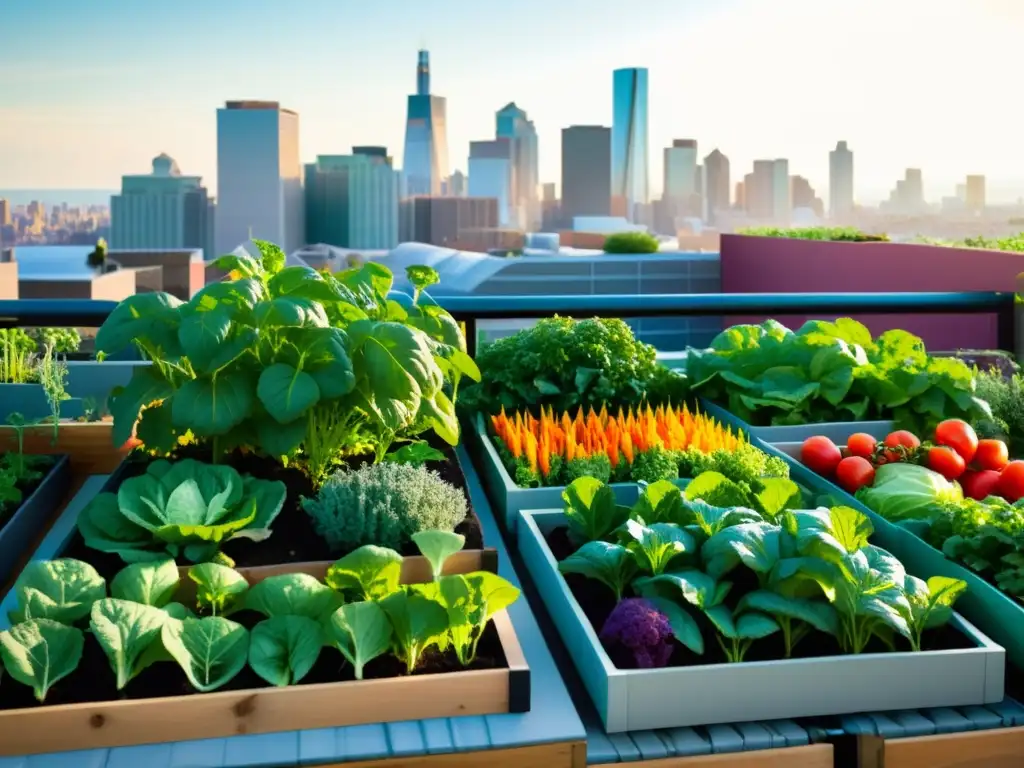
(812, 756)
(996, 748)
(89, 444)
(557, 755)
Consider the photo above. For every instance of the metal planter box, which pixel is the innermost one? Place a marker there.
(34, 514)
(837, 431)
(994, 612)
(508, 499)
(629, 700)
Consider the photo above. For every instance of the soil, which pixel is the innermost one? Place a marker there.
(293, 539)
(43, 465)
(93, 680)
(597, 602)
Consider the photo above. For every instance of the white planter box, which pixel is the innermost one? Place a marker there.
(629, 700)
(836, 431)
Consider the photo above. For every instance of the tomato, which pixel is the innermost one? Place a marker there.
(854, 472)
(980, 485)
(946, 462)
(820, 454)
(901, 440)
(991, 454)
(1011, 481)
(958, 435)
(861, 444)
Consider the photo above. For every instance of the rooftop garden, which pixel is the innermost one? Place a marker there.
(1010, 243)
(832, 234)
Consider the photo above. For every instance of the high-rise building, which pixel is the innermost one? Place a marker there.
(974, 194)
(629, 138)
(760, 189)
(586, 171)
(741, 195)
(680, 187)
(492, 174)
(782, 206)
(259, 176)
(512, 123)
(5, 212)
(840, 181)
(162, 210)
(803, 195)
(438, 220)
(716, 184)
(913, 189)
(352, 200)
(426, 136)
(455, 185)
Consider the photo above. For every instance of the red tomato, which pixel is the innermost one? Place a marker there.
(958, 435)
(980, 485)
(900, 439)
(861, 444)
(991, 454)
(854, 472)
(820, 454)
(1011, 481)
(946, 462)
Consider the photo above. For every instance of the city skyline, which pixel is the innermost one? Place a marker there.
(76, 95)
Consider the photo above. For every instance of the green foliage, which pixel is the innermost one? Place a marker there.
(631, 242)
(283, 649)
(40, 652)
(383, 504)
(97, 258)
(833, 234)
(62, 590)
(564, 364)
(767, 374)
(289, 362)
(1013, 243)
(653, 465)
(16, 356)
(125, 630)
(1005, 395)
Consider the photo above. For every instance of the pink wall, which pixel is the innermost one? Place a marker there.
(779, 265)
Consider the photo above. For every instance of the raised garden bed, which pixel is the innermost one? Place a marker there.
(836, 430)
(957, 666)
(22, 520)
(992, 748)
(88, 444)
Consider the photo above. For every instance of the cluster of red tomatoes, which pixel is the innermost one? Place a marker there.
(982, 467)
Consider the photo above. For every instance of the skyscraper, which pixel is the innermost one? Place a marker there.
(840, 181)
(629, 137)
(759, 187)
(352, 200)
(162, 210)
(512, 123)
(425, 162)
(782, 204)
(716, 182)
(586, 171)
(974, 194)
(5, 212)
(492, 174)
(680, 170)
(259, 176)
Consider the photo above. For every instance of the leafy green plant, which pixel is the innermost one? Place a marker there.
(41, 652)
(362, 632)
(835, 234)
(17, 350)
(53, 374)
(470, 601)
(61, 590)
(125, 630)
(219, 589)
(292, 594)
(367, 573)
(283, 649)
(611, 564)
(591, 510)
(185, 509)
(210, 650)
(631, 242)
(437, 547)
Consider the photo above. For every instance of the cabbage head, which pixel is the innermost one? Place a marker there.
(909, 492)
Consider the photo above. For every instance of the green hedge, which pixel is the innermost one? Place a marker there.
(833, 234)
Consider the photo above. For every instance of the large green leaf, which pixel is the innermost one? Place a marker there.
(149, 317)
(211, 651)
(817, 613)
(292, 594)
(62, 590)
(416, 622)
(693, 586)
(611, 564)
(369, 573)
(591, 509)
(283, 649)
(125, 630)
(146, 583)
(213, 406)
(831, 533)
(683, 625)
(147, 385)
(218, 587)
(201, 334)
(286, 392)
(756, 545)
(362, 632)
(437, 547)
(657, 545)
(40, 652)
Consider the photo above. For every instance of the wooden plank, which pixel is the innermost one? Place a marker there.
(1000, 748)
(812, 756)
(557, 755)
(89, 444)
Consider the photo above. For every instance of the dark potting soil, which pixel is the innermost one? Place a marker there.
(93, 680)
(293, 539)
(597, 602)
(42, 465)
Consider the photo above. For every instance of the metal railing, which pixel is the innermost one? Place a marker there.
(85, 313)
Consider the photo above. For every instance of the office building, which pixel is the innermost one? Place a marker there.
(680, 170)
(781, 203)
(840, 181)
(438, 220)
(162, 210)
(974, 194)
(5, 212)
(760, 189)
(629, 138)
(741, 195)
(259, 176)
(455, 185)
(586, 171)
(426, 136)
(512, 123)
(352, 200)
(492, 174)
(913, 189)
(716, 184)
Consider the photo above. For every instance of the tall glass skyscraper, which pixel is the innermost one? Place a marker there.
(512, 123)
(352, 200)
(425, 162)
(629, 139)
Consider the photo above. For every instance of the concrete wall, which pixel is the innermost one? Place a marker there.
(181, 275)
(112, 286)
(780, 265)
(8, 279)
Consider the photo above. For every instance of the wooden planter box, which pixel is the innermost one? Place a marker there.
(89, 445)
(995, 613)
(629, 700)
(33, 516)
(995, 748)
(837, 431)
(508, 499)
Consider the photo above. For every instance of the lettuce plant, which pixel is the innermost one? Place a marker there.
(282, 649)
(125, 630)
(60, 590)
(611, 564)
(183, 509)
(40, 652)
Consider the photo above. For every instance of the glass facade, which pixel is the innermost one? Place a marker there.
(425, 161)
(629, 139)
(352, 202)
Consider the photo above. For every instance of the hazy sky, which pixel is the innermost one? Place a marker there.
(93, 89)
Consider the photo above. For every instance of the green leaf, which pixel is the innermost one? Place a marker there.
(212, 407)
(146, 386)
(495, 591)
(657, 545)
(695, 587)
(211, 651)
(146, 583)
(683, 625)
(287, 393)
(219, 588)
(147, 317)
(362, 632)
(660, 502)
(125, 630)
(756, 545)
(421, 277)
(292, 594)
(818, 614)
(831, 533)
(416, 622)
(283, 649)
(62, 590)
(41, 652)
(777, 495)
(272, 258)
(591, 509)
(611, 564)
(709, 520)
(438, 546)
(201, 335)
(370, 572)
(417, 454)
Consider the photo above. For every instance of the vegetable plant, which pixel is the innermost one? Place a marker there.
(631, 242)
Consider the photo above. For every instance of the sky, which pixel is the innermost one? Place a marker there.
(94, 89)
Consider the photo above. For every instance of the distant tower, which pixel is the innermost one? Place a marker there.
(716, 184)
(840, 181)
(629, 138)
(426, 142)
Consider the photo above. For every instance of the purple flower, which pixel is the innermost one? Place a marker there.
(639, 627)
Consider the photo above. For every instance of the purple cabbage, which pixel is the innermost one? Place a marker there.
(637, 626)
